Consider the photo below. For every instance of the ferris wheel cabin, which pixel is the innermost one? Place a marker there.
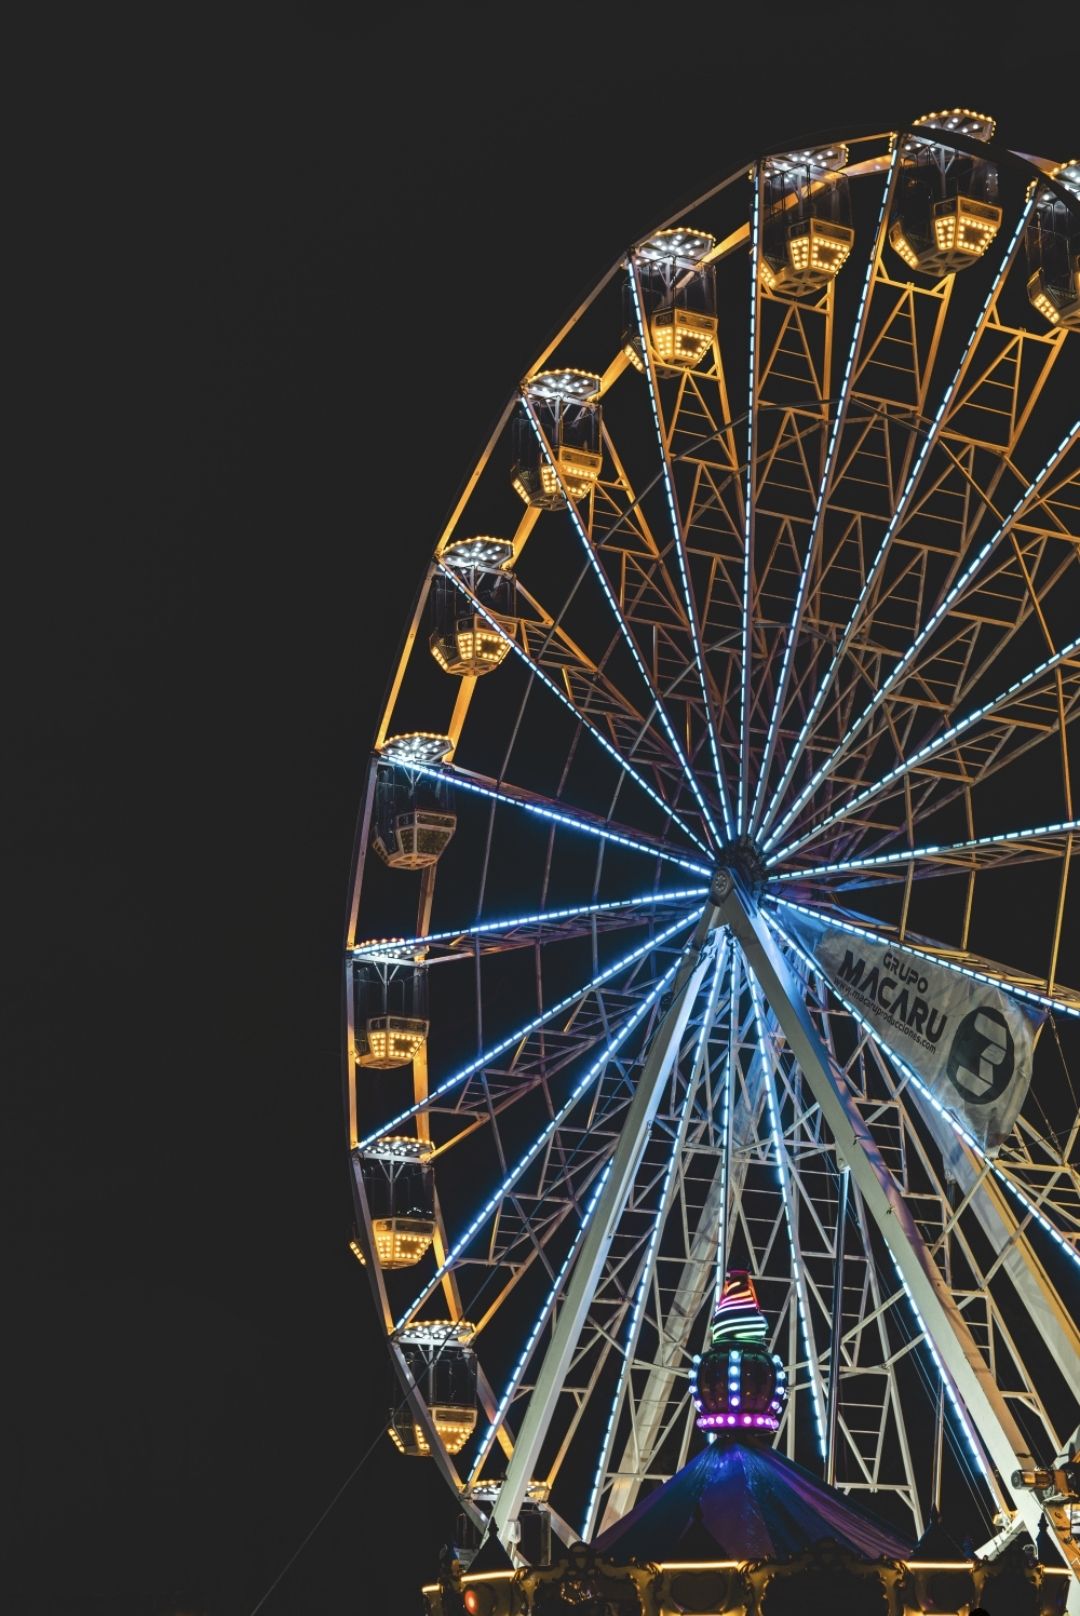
(945, 211)
(471, 606)
(1052, 242)
(412, 825)
(399, 1184)
(440, 1358)
(670, 292)
(806, 221)
(557, 438)
(392, 1022)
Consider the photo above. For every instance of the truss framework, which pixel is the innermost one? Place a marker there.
(817, 611)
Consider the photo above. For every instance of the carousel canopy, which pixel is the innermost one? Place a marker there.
(739, 1501)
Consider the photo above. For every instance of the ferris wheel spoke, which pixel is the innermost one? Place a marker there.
(813, 540)
(540, 1323)
(623, 626)
(1064, 1001)
(679, 536)
(674, 1312)
(663, 1051)
(545, 808)
(952, 401)
(650, 600)
(545, 679)
(749, 508)
(522, 931)
(647, 1274)
(525, 1160)
(1027, 575)
(945, 858)
(791, 1217)
(1039, 493)
(980, 1399)
(1022, 705)
(570, 1001)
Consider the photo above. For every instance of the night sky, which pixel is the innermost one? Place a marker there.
(234, 214)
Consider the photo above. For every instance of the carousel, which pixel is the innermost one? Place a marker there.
(741, 1530)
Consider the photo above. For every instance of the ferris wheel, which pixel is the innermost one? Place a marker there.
(712, 899)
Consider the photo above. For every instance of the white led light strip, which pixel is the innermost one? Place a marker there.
(629, 1349)
(839, 418)
(729, 1094)
(889, 683)
(932, 748)
(748, 514)
(514, 1038)
(560, 695)
(1044, 1000)
(389, 949)
(623, 626)
(783, 1173)
(530, 1155)
(544, 1315)
(556, 816)
(680, 549)
(910, 855)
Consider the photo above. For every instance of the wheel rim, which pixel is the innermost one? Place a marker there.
(811, 620)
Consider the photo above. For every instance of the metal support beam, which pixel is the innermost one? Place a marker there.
(837, 1323)
(987, 1408)
(1003, 1228)
(594, 1249)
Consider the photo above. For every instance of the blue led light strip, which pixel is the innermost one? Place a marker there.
(1044, 1000)
(383, 948)
(542, 1318)
(515, 1037)
(680, 552)
(537, 671)
(623, 626)
(946, 1379)
(630, 1347)
(748, 498)
(932, 748)
(554, 815)
(530, 1155)
(889, 683)
(909, 855)
(839, 418)
(783, 1173)
(1029, 1206)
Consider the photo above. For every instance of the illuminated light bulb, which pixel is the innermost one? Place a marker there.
(483, 552)
(419, 747)
(390, 1041)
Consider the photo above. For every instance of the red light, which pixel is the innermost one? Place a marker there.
(472, 1601)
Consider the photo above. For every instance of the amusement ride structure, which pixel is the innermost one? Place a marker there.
(711, 907)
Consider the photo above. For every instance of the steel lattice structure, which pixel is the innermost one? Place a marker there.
(795, 635)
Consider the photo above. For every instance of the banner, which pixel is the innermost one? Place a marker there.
(970, 1043)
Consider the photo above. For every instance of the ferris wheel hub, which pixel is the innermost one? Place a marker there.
(742, 864)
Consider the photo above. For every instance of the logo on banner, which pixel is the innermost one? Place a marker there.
(982, 1056)
(969, 1042)
(897, 990)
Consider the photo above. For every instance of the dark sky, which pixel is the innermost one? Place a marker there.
(232, 215)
